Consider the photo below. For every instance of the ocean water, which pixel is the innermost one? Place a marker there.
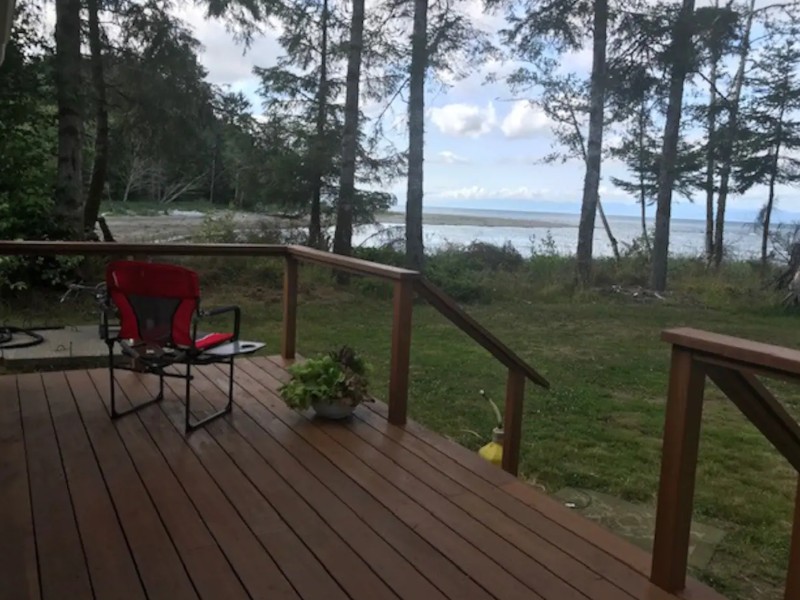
(686, 236)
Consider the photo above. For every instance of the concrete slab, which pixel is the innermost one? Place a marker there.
(636, 522)
(70, 347)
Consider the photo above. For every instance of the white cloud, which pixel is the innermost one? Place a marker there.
(229, 62)
(525, 121)
(464, 120)
(577, 60)
(478, 192)
(446, 157)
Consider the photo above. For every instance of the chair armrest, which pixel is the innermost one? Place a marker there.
(213, 312)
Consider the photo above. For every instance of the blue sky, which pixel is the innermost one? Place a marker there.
(482, 146)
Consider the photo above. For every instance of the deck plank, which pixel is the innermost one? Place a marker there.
(272, 503)
(205, 563)
(254, 567)
(541, 515)
(18, 568)
(288, 458)
(112, 573)
(62, 566)
(507, 513)
(237, 475)
(163, 574)
(476, 564)
(551, 573)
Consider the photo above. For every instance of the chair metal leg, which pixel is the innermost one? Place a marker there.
(110, 345)
(189, 426)
(230, 388)
(116, 414)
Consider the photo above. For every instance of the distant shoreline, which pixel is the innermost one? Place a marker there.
(467, 220)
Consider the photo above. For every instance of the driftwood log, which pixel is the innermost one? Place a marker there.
(789, 279)
(107, 236)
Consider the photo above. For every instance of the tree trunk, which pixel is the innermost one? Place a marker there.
(767, 218)
(732, 130)
(594, 149)
(69, 178)
(711, 125)
(101, 147)
(642, 167)
(315, 219)
(213, 182)
(415, 251)
(343, 237)
(607, 226)
(773, 178)
(680, 51)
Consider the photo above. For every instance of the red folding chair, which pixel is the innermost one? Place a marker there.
(159, 311)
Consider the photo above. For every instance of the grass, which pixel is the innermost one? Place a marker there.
(600, 425)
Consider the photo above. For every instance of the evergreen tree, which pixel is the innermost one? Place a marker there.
(771, 134)
(69, 96)
(681, 54)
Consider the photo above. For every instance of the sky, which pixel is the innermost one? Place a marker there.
(483, 147)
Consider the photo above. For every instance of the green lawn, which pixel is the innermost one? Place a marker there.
(599, 426)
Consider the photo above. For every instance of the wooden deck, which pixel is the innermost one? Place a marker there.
(269, 504)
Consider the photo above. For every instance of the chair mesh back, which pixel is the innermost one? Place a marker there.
(156, 302)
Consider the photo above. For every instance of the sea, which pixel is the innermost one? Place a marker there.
(561, 233)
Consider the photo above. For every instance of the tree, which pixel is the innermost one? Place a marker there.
(680, 56)
(6, 21)
(771, 132)
(320, 158)
(28, 140)
(69, 178)
(101, 144)
(641, 152)
(415, 251)
(539, 33)
(343, 236)
(594, 149)
(161, 107)
(730, 133)
(720, 32)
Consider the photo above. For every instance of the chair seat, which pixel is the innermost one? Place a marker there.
(209, 340)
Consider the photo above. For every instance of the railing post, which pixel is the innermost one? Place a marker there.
(512, 420)
(684, 412)
(289, 340)
(793, 580)
(401, 350)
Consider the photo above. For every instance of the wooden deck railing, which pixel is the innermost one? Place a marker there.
(732, 364)
(406, 283)
(518, 369)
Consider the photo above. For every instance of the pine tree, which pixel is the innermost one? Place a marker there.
(343, 236)
(69, 83)
(771, 128)
(680, 58)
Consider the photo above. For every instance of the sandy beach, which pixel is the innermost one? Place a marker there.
(468, 220)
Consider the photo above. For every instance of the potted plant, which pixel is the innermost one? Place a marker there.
(333, 384)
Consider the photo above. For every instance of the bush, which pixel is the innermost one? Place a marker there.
(385, 255)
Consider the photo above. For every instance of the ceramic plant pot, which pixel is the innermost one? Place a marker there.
(335, 411)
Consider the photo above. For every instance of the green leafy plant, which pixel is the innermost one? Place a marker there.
(339, 377)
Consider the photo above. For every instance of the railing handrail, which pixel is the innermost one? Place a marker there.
(732, 364)
(56, 248)
(754, 355)
(461, 319)
(405, 282)
(301, 253)
(348, 263)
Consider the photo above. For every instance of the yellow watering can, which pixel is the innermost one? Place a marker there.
(493, 451)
